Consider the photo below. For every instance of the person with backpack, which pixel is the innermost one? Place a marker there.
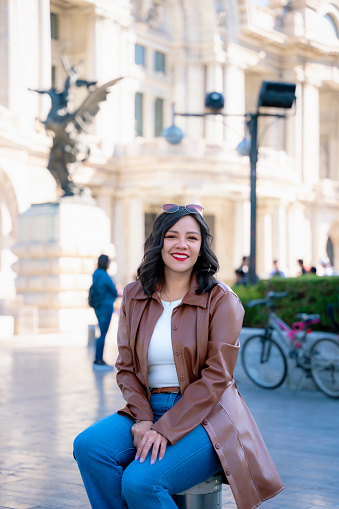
(102, 297)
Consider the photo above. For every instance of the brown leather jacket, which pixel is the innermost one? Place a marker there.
(205, 331)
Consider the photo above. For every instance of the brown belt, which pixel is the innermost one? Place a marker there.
(159, 390)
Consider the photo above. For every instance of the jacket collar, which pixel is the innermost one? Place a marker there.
(190, 298)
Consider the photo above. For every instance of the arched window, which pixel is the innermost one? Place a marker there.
(332, 25)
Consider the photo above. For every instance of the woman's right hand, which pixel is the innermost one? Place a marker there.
(138, 431)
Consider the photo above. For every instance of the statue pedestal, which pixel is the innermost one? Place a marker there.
(58, 246)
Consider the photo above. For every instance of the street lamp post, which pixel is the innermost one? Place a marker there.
(253, 126)
(272, 95)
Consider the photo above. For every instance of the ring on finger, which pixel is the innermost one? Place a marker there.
(150, 441)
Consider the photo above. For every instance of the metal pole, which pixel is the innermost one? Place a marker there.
(253, 182)
(253, 127)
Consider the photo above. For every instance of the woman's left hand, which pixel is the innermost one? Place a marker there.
(152, 439)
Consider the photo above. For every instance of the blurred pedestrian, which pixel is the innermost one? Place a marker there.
(241, 272)
(302, 267)
(327, 267)
(107, 293)
(244, 264)
(184, 419)
(313, 270)
(276, 272)
(240, 278)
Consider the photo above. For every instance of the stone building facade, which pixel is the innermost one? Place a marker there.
(174, 52)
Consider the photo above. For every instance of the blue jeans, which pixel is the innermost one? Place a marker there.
(104, 316)
(114, 480)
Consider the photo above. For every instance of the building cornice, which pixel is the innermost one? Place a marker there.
(259, 24)
(286, 44)
(264, 36)
(112, 11)
(303, 44)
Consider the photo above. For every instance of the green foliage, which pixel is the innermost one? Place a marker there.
(306, 294)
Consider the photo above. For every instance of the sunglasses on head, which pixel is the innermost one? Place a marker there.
(192, 208)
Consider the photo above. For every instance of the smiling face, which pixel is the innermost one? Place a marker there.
(182, 243)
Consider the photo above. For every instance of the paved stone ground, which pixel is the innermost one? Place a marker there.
(49, 393)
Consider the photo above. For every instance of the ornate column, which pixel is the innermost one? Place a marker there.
(110, 29)
(119, 237)
(195, 99)
(27, 51)
(179, 79)
(310, 134)
(279, 235)
(234, 92)
(299, 237)
(264, 241)
(292, 124)
(241, 231)
(320, 229)
(45, 64)
(126, 96)
(295, 145)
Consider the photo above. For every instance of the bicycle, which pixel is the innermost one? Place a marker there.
(264, 358)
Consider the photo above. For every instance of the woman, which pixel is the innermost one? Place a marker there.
(107, 294)
(184, 420)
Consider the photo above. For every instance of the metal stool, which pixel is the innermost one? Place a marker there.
(206, 495)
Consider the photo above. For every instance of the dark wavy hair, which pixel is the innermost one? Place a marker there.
(151, 270)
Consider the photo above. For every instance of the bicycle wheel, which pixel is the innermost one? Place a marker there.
(325, 366)
(264, 361)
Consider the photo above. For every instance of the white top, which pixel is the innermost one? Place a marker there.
(161, 366)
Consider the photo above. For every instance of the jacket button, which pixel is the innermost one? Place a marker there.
(177, 352)
(205, 421)
(175, 327)
(182, 378)
(217, 446)
(228, 472)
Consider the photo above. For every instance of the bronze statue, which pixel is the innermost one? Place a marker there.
(68, 126)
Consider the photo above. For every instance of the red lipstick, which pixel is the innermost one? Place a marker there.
(181, 257)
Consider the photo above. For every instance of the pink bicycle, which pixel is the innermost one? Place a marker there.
(264, 357)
